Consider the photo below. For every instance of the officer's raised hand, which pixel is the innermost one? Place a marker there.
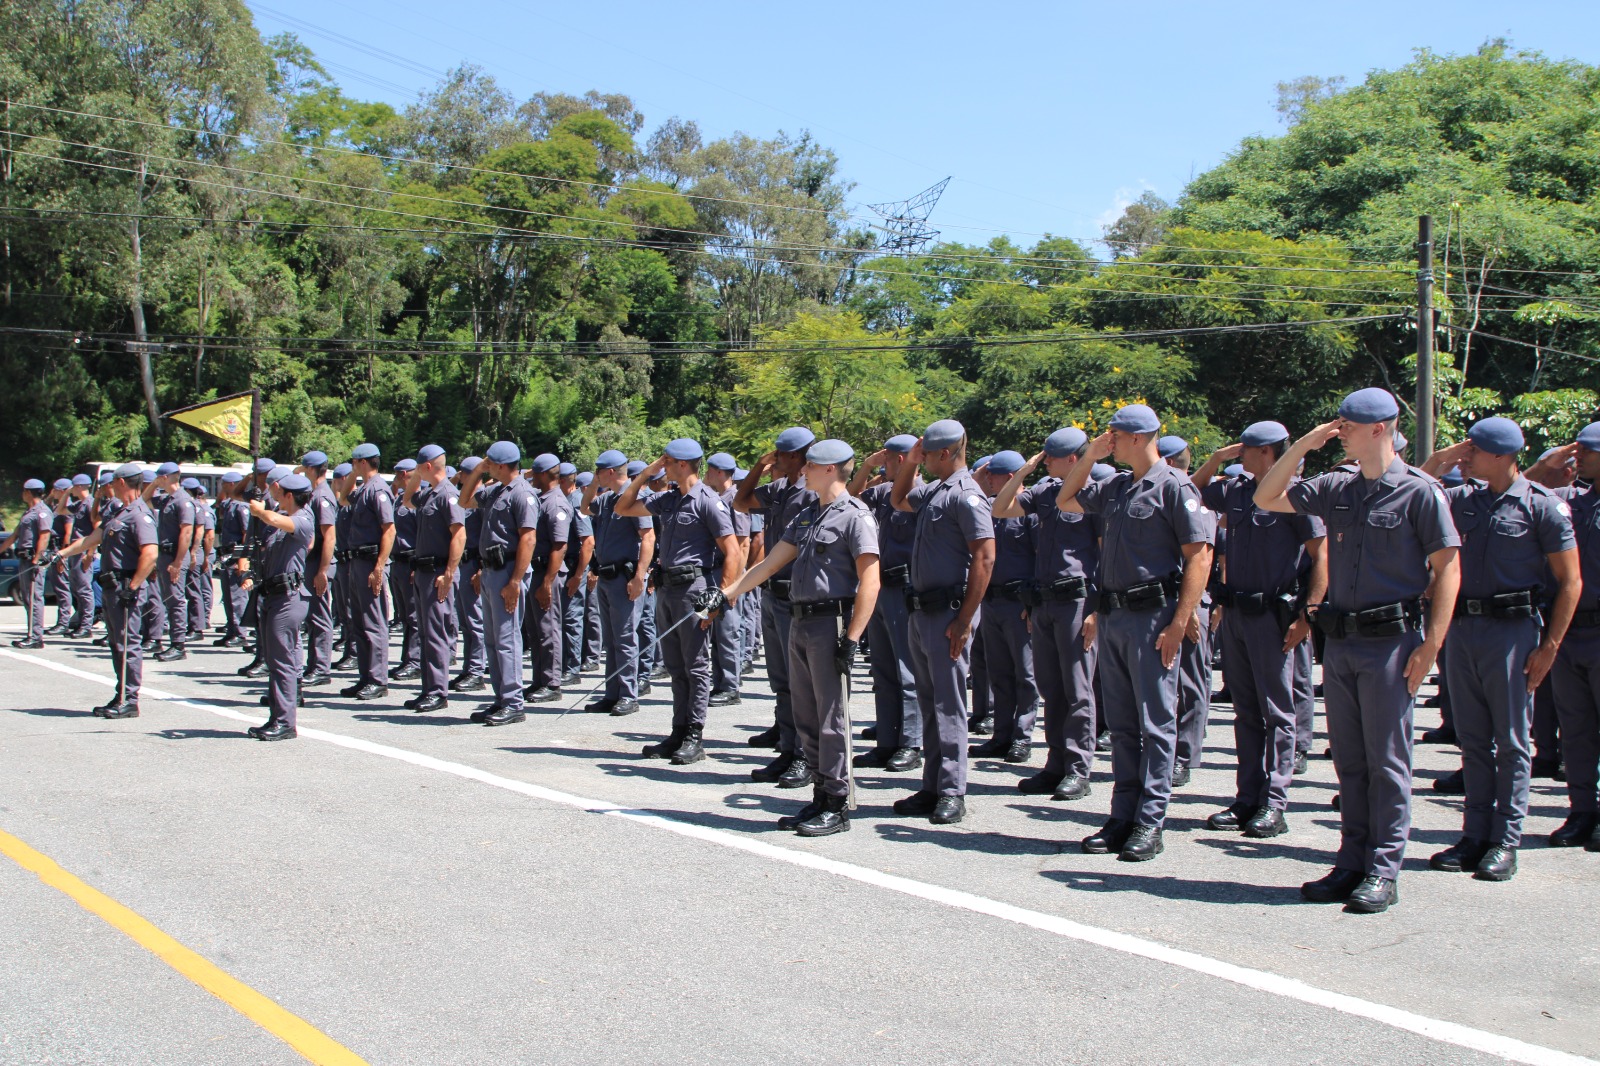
(1100, 447)
(1556, 470)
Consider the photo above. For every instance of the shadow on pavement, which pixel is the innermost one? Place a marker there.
(202, 734)
(957, 839)
(1173, 887)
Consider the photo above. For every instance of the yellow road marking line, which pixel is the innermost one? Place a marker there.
(313, 1044)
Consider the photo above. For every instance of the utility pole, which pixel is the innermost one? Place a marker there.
(255, 422)
(1423, 445)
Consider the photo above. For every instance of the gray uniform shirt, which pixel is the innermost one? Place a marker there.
(897, 530)
(1585, 507)
(691, 523)
(778, 501)
(324, 508)
(827, 542)
(437, 515)
(1380, 532)
(36, 522)
(286, 549)
(1148, 520)
(512, 508)
(371, 508)
(1505, 538)
(950, 515)
(176, 512)
(616, 538)
(1066, 543)
(555, 523)
(127, 531)
(1266, 550)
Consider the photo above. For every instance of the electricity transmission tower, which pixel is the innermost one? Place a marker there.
(905, 222)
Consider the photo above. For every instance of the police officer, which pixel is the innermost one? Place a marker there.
(695, 525)
(402, 602)
(1194, 663)
(543, 623)
(469, 605)
(777, 502)
(1389, 529)
(1063, 621)
(176, 527)
(505, 555)
(281, 598)
(832, 544)
(575, 589)
(589, 657)
(200, 549)
(31, 539)
(80, 578)
(727, 632)
(1154, 563)
(624, 550)
(56, 581)
(233, 516)
(1275, 565)
(321, 571)
(372, 538)
(126, 563)
(343, 482)
(1575, 677)
(649, 652)
(897, 728)
(952, 557)
(441, 538)
(1003, 627)
(1511, 529)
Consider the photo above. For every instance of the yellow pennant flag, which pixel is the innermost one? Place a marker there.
(226, 418)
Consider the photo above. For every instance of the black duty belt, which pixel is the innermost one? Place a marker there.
(1149, 596)
(936, 599)
(779, 587)
(282, 585)
(676, 576)
(1010, 590)
(1064, 588)
(1251, 602)
(366, 551)
(167, 547)
(404, 555)
(1502, 605)
(494, 557)
(1585, 620)
(469, 555)
(1389, 620)
(895, 577)
(429, 564)
(822, 609)
(626, 569)
(113, 580)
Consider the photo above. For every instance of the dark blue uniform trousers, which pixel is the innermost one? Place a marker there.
(1065, 671)
(1493, 713)
(821, 701)
(436, 630)
(1008, 653)
(1140, 700)
(469, 620)
(1575, 683)
(573, 606)
(727, 640)
(278, 630)
(894, 692)
(1304, 693)
(942, 698)
(619, 634)
(502, 637)
(775, 620)
(319, 625)
(686, 653)
(1194, 693)
(404, 604)
(368, 627)
(1261, 678)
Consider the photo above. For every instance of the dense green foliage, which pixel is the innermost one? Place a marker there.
(189, 210)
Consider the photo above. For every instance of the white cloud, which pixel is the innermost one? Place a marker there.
(1125, 195)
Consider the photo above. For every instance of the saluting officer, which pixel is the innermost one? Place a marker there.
(321, 571)
(575, 589)
(233, 516)
(402, 602)
(441, 538)
(543, 624)
(1154, 563)
(624, 549)
(695, 524)
(833, 546)
(176, 527)
(200, 549)
(469, 605)
(897, 730)
(281, 599)
(31, 539)
(649, 653)
(1389, 529)
(727, 632)
(1194, 662)
(1511, 530)
(777, 502)
(55, 571)
(951, 558)
(505, 554)
(80, 579)
(1063, 622)
(1003, 627)
(1275, 565)
(126, 563)
(372, 538)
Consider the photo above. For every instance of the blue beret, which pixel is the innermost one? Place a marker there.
(1007, 462)
(567, 469)
(406, 465)
(129, 472)
(981, 463)
(740, 473)
(1065, 442)
(61, 484)
(795, 438)
(33, 484)
(278, 473)
(1167, 447)
(661, 475)
(1260, 434)
(314, 458)
(1400, 441)
(545, 461)
(1366, 406)
(945, 433)
(166, 468)
(342, 470)
(610, 459)
(190, 483)
(584, 478)
(293, 482)
(429, 453)
(1233, 469)
(830, 451)
(722, 461)
(1497, 436)
(900, 444)
(1101, 471)
(1452, 477)
(470, 463)
(1135, 418)
(232, 477)
(503, 451)
(81, 480)
(147, 476)
(636, 467)
(106, 476)
(1589, 436)
(684, 448)
(264, 464)
(365, 451)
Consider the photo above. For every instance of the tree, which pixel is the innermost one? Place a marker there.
(1141, 226)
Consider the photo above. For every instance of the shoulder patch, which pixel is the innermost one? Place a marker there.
(721, 506)
(561, 516)
(1561, 505)
(1439, 494)
(148, 519)
(978, 503)
(1191, 504)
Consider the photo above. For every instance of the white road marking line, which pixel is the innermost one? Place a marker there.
(1505, 1047)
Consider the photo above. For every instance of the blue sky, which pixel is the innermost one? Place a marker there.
(1049, 117)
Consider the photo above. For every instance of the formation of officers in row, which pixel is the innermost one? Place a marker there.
(1093, 593)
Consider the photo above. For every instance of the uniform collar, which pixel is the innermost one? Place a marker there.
(1396, 470)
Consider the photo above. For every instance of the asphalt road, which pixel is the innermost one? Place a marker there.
(423, 890)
